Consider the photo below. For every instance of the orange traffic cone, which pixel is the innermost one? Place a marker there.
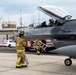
(3, 43)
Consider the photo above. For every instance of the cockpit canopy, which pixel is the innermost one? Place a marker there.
(55, 12)
(58, 16)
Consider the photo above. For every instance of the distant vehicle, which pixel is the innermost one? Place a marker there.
(31, 45)
(7, 43)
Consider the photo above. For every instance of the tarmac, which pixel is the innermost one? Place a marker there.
(38, 65)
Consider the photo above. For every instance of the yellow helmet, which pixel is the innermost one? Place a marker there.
(21, 32)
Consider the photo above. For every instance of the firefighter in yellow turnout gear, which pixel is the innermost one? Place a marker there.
(20, 48)
(38, 42)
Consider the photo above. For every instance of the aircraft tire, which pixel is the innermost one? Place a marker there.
(68, 62)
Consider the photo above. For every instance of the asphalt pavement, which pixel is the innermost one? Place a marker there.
(38, 64)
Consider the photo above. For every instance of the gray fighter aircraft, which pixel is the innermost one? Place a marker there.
(63, 32)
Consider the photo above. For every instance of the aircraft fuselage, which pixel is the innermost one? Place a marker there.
(65, 34)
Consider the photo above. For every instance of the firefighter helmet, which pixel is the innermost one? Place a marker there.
(21, 32)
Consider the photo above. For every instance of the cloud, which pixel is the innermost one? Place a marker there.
(26, 19)
(2, 12)
(19, 1)
(10, 9)
(12, 6)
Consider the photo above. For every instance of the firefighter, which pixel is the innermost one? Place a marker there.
(38, 42)
(20, 48)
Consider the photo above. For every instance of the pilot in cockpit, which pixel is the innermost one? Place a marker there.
(44, 24)
(51, 22)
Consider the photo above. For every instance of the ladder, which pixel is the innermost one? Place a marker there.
(43, 46)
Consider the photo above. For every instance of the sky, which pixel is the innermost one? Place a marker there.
(12, 10)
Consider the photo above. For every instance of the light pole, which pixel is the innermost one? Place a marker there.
(20, 18)
(1, 21)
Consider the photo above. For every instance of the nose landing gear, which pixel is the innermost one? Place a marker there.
(68, 62)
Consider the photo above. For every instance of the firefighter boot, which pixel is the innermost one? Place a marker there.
(18, 66)
(24, 65)
(38, 52)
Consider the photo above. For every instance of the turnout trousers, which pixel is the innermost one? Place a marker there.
(20, 59)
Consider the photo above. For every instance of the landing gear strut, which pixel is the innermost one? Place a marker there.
(68, 62)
